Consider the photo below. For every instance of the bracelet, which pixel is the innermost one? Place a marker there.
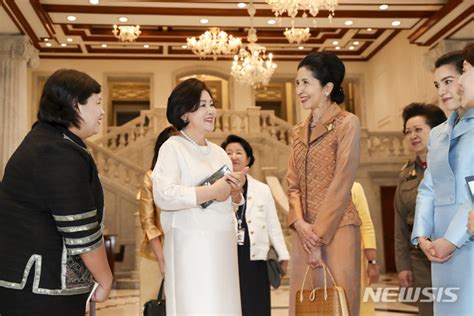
(372, 261)
(418, 244)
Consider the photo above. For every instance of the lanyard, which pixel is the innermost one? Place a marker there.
(243, 207)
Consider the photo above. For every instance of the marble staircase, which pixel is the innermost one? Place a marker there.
(124, 154)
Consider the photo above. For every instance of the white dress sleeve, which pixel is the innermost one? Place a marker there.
(169, 193)
(273, 225)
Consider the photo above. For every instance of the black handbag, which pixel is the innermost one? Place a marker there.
(156, 307)
(275, 271)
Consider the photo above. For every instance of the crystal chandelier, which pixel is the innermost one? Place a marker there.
(252, 65)
(297, 35)
(214, 42)
(312, 6)
(126, 33)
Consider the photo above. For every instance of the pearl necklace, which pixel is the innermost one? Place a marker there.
(201, 149)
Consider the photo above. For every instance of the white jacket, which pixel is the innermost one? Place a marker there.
(263, 223)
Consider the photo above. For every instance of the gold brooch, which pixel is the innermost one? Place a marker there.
(330, 126)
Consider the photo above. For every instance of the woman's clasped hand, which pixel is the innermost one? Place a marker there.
(311, 242)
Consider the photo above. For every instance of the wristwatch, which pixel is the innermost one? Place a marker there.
(372, 261)
(418, 242)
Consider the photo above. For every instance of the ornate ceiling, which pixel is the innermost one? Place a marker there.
(166, 24)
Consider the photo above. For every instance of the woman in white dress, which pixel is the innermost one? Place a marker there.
(200, 250)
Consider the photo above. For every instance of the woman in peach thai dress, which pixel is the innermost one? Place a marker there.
(322, 167)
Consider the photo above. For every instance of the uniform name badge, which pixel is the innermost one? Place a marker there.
(470, 186)
(240, 236)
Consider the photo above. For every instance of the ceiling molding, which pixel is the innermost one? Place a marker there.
(12, 18)
(44, 17)
(451, 5)
(25, 26)
(453, 25)
(430, 21)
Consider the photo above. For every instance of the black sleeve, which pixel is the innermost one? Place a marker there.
(63, 177)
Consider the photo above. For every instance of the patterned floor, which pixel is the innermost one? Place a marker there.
(125, 303)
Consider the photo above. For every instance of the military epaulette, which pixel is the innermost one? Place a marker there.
(405, 165)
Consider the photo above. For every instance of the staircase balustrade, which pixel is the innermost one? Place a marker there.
(275, 127)
(273, 136)
(115, 168)
(375, 146)
(126, 135)
(251, 121)
(383, 145)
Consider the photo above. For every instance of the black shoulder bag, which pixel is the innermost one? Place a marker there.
(156, 307)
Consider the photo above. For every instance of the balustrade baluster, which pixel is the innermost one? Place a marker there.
(243, 122)
(141, 131)
(273, 133)
(137, 181)
(105, 161)
(111, 142)
(226, 122)
(391, 145)
(401, 147)
(218, 123)
(116, 171)
(127, 176)
(122, 140)
(132, 134)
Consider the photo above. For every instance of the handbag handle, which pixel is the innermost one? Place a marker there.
(161, 294)
(312, 296)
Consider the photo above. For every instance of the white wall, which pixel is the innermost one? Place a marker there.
(393, 78)
(396, 76)
(163, 76)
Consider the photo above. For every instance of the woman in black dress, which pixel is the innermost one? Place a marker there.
(258, 226)
(51, 207)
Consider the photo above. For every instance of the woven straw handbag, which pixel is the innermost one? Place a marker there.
(326, 301)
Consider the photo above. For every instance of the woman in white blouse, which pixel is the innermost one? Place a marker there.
(200, 249)
(258, 225)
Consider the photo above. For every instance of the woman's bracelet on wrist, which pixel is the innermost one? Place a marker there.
(420, 240)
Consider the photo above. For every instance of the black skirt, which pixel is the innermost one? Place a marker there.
(254, 285)
(26, 303)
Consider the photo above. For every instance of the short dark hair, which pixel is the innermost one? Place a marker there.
(183, 99)
(63, 90)
(326, 67)
(468, 53)
(452, 58)
(160, 140)
(245, 145)
(432, 114)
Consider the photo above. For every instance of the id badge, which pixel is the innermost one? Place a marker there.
(470, 186)
(240, 236)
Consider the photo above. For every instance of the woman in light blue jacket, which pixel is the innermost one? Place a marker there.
(467, 100)
(443, 194)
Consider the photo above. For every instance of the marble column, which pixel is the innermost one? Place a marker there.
(241, 96)
(16, 55)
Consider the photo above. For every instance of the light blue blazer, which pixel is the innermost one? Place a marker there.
(442, 205)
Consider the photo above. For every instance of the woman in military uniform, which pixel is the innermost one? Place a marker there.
(412, 265)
